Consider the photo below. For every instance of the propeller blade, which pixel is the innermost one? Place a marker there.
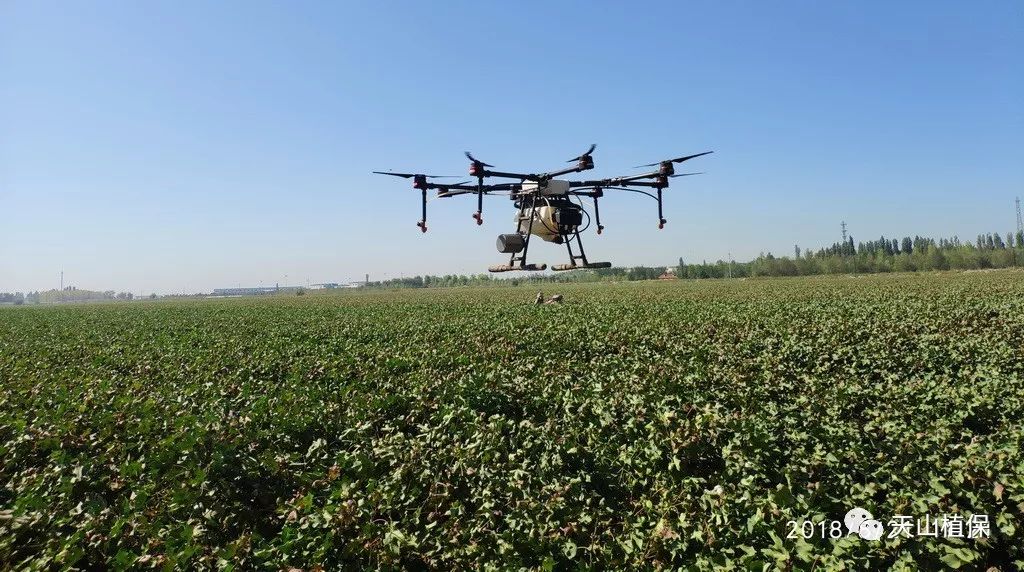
(456, 192)
(444, 192)
(470, 157)
(589, 151)
(688, 157)
(407, 175)
(676, 160)
(685, 175)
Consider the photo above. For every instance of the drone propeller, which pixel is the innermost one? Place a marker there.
(445, 194)
(685, 175)
(446, 187)
(470, 157)
(676, 160)
(408, 175)
(587, 154)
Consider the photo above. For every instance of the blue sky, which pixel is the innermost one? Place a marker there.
(182, 146)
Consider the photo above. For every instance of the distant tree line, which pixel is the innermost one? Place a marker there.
(12, 298)
(616, 274)
(844, 257)
(849, 257)
(874, 256)
(68, 294)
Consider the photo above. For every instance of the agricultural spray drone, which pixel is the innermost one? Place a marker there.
(548, 207)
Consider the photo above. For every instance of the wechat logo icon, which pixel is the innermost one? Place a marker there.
(860, 522)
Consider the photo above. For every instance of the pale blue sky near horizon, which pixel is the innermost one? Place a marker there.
(184, 146)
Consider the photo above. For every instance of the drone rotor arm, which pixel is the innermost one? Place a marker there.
(638, 180)
(632, 191)
(612, 188)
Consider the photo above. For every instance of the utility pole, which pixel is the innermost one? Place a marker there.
(61, 285)
(730, 264)
(1020, 232)
(1020, 223)
(843, 224)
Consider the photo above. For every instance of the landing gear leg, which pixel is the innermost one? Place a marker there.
(568, 245)
(582, 256)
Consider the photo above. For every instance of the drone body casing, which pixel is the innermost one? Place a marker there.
(543, 224)
(548, 188)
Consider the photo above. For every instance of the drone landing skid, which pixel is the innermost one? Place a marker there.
(511, 268)
(590, 265)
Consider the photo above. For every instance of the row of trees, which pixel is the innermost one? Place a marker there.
(909, 254)
(12, 298)
(843, 257)
(882, 255)
(891, 247)
(68, 294)
(449, 280)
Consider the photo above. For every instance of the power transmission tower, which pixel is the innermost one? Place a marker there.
(1020, 224)
(843, 224)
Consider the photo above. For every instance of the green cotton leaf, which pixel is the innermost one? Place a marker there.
(782, 496)
(938, 487)
(777, 555)
(951, 560)
(964, 554)
(1005, 522)
(753, 521)
(314, 446)
(804, 550)
(778, 550)
(569, 549)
